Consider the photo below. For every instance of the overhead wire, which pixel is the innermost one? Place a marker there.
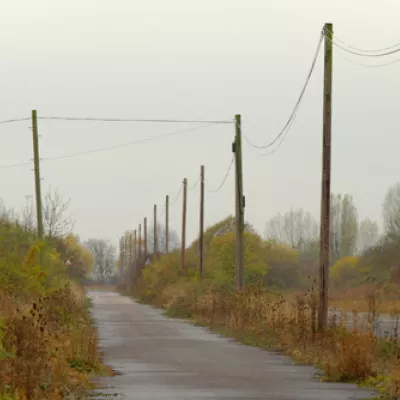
(390, 50)
(16, 165)
(125, 144)
(286, 128)
(135, 120)
(224, 179)
(195, 185)
(177, 196)
(343, 55)
(9, 121)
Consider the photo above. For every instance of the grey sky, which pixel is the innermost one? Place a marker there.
(194, 60)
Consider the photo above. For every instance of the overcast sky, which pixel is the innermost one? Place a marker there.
(201, 60)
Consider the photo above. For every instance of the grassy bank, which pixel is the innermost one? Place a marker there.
(48, 346)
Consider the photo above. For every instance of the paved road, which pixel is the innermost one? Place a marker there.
(160, 358)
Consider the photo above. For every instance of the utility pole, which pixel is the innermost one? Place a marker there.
(326, 182)
(36, 163)
(145, 239)
(240, 200)
(127, 257)
(166, 224)
(134, 261)
(140, 246)
(201, 236)
(183, 244)
(155, 232)
(130, 257)
(121, 258)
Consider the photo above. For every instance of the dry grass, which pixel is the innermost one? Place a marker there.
(49, 347)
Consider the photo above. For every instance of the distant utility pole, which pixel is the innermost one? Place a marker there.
(121, 258)
(134, 261)
(155, 232)
(326, 182)
(126, 258)
(240, 200)
(166, 224)
(201, 236)
(145, 251)
(140, 245)
(130, 255)
(36, 163)
(183, 243)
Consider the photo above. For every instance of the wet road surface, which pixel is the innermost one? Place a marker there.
(161, 358)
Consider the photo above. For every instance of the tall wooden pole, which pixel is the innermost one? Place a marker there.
(239, 205)
(201, 235)
(134, 256)
(36, 163)
(140, 246)
(155, 232)
(166, 224)
(326, 182)
(145, 250)
(183, 240)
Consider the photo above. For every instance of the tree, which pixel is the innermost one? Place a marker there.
(173, 239)
(348, 227)
(368, 235)
(344, 227)
(295, 228)
(56, 223)
(104, 258)
(391, 211)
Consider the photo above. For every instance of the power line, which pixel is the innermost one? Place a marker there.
(338, 51)
(15, 165)
(225, 178)
(381, 52)
(195, 185)
(348, 49)
(9, 121)
(125, 144)
(292, 116)
(177, 196)
(134, 120)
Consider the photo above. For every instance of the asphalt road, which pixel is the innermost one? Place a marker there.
(161, 358)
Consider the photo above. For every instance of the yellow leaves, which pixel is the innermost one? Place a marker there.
(346, 269)
(30, 258)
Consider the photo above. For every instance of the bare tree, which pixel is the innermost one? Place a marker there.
(391, 211)
(173, 239)
(295, 228)
(56, 223)
(368, 235)
(104, 254)
(28, 214)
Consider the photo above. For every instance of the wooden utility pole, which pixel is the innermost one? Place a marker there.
(155, 232)
(121, 259)
(201, 235)
(239, 205)
(130, 263)
(145, 252)
(140, 246)
(127, 256)
(183, 243)
(326, 182)
(166, 224)
(134, 257)
(36, 163)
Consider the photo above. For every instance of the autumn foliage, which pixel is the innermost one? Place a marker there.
(47, 344)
